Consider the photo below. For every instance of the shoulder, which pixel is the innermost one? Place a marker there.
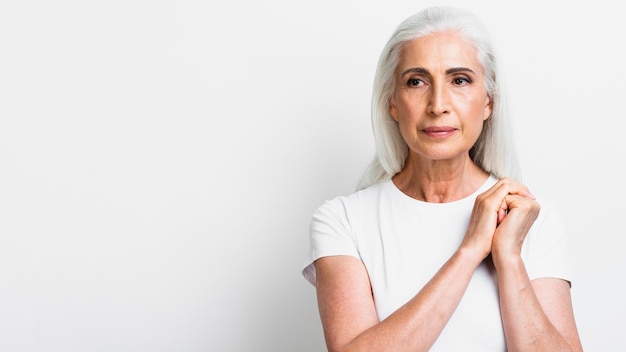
(353, 207)
(550, 218)
(366, 196)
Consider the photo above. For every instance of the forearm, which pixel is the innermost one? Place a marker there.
(417, 325)
(526, 326)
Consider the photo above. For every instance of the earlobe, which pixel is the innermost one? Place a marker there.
(393, 109)
(488, 109)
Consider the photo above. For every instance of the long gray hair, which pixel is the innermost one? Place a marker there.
(494, 150)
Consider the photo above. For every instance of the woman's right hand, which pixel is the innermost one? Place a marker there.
(489, 210)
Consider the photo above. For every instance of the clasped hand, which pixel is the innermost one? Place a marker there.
(501, 219)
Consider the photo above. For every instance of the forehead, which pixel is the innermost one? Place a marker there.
(439, 51)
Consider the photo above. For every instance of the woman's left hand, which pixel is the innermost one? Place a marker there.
(518, 215)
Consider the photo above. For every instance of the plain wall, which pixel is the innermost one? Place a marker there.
(160, 161)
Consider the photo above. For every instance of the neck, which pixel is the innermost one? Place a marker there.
(440, 181)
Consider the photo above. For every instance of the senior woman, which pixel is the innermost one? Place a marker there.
(441, 248)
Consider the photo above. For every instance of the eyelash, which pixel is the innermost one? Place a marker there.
(414, 82)
(465, 79)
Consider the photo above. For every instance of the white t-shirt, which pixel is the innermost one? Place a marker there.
(403, 242)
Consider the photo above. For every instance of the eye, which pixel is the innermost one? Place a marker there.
(414, 82)
(461, 81)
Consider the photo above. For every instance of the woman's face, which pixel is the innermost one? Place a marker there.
(440, 101)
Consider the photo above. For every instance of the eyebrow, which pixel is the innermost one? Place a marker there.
(423, 71)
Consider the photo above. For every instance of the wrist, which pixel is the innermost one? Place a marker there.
(470, 255)
(506, 259)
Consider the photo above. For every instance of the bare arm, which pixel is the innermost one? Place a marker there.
(349, 317)
(537, 315)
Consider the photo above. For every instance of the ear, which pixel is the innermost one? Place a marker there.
(488, 108)
(393, 108)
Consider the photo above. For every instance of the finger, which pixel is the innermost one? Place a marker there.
(502, 211)
(525, 193)
(507, 186)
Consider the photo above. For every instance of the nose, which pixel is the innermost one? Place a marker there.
(439, 102)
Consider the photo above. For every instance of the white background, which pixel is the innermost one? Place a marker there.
(160, 161)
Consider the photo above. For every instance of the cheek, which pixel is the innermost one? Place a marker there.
(408, 107)
(477, 108)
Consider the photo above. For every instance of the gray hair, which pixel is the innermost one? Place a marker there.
(494, 150)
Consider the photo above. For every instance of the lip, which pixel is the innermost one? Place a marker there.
(439, 131)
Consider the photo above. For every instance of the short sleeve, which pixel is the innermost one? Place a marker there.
(545, 250)
(330, 234)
